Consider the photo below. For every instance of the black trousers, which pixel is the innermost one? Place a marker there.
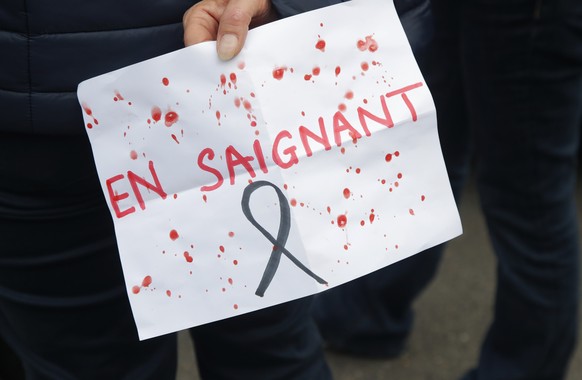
(63, 305)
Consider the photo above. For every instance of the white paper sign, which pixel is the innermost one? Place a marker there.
(309, 160)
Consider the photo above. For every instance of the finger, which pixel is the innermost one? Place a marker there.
(201, 22)
(234, 25)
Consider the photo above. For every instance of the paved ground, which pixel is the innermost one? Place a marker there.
(452, 316)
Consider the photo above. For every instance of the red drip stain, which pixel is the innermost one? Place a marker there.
(388, 157)
(338, 70)
(135, 289)
(204, 198)
(156, 114)
(411, 211)
(279, 72)
(365, 66)
(293, 202)
(285, 186)
(170, 118)
(349, 95)
(237, 102)
(342, 220)
(169, 293)
(175, 138)
(422, 198)
(217, 115)
(133, 155)
(354, 137)
(118, 96)
(222, 80)
(342, 107)
(369, 44)
(307, 76)
(343, 150)
(221, 248)
(174, 235)
(87, 110)
(165, 81)
(328, 210)
(247, 105)
(188, 257)
(372, 217)
(230, 281)
(320, 45)
(233, 78)
(147, 281)
(231, 234)
(316, 71)
(347, 193)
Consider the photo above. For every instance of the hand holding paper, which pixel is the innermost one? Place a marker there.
(309, 160)
(225, 21)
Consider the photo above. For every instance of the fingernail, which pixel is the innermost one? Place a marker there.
(227, 46)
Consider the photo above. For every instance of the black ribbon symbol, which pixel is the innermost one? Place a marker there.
(282, 235)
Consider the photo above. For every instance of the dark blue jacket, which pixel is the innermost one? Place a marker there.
(48, 47)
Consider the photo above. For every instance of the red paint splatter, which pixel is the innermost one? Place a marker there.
(349, 95)
(204, 198)
(175, 138)
(118, 96)
(169, 293)
(362, 223)
(174, 235)
(230, 281)
(231, 234)
(233, 78)
(342, 107)
(241, 65)
(347, 193)
(89, 125)
(235, 262)
(307, 76)
(222, 80)
(338, 70)
(372, 217)
(279, 72)
(87, 110)
(237, 102)
(346, 247)
(247, 105)
(235, 306)
(133, 155)
(397, 153)
(135, 289)
(147, 281)
(293, 202)
(221, 248)
(170, 118)
(156, 113)
(188, 257)
(217, 115)
(358, 170)
(328, 210)
(165, 81)
(399, 175)
(411, 211)
(422, 198)
(342, 220)
(316, 71)
(365, 66)
(388, 157)
(369, 44)
(343, 150)
(320, 45)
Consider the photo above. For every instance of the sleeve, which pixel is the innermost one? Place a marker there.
(292, 7)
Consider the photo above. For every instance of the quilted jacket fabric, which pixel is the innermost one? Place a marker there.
(49, 47)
